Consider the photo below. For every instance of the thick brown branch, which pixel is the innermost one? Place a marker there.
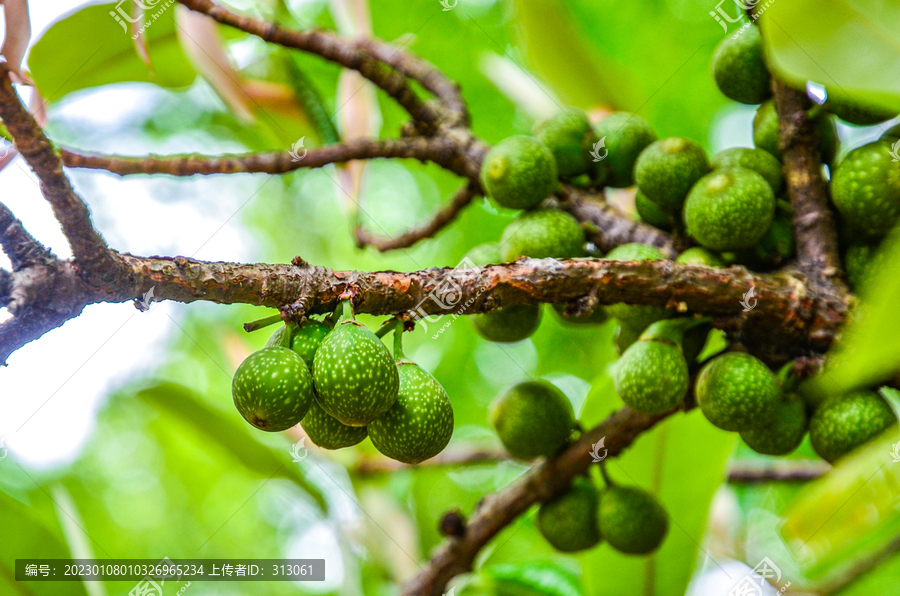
(443, 217)
(329, 46)
(20, 246)
(88, 247)
(814, 228)
(437, 150)
(542, 482)
(799, 471)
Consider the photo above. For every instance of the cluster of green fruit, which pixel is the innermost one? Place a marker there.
(535, 419)
(341, 385)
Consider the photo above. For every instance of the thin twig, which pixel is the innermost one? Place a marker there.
(368, 465)
(20, 246)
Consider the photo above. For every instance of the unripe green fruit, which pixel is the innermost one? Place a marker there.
(305, 339)
(632, 520)
(739, 69)
(327, 432)
(765, 132)
(866, 189)
(777, 245)
(625, 136)
(356, 379)
(854, 112)
(519, 172)
(637, 317)
(666, 170)
(533, 419)
(597, 317)
(570, 138)
(784, 434)
(762, 162)
(729, 209)
(508, 324)
(698, 255)
(737, 392)
(652, 376)
(419, 425)
(857, 261)
(652, 213)
(541, 234)
(842, 424)
(272, 389)
(569, 522)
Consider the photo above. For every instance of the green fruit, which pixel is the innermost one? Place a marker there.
(737, 392)
(652, 376)
(784, 434)
(857, 261)
(519, 172)
(765, 132)
(729, 209)
(541, 234)
(570, 138)
(355, 376)
(569, 522)
(652, 213)
(597, 317)
(635, 316)
(892, 134)
(632, 520)
(739, 69)
(854, 112)
(698, 255)
(842, 424)
(666, 170)
(533, 419)
(272, 389)
(762, 162)
(625, 136)
(327, 432)
(419, 424)
(305, 338)
(866, 189)
(777, 245)
(508, 324)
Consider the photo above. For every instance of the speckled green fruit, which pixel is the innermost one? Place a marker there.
(508, 324)
(355, 376)
(729, 209)
(762, 162)
(652, 213)
(784, 434)
(842, 424)
(697, 255)
(519, 172)
(305, 339)
(857, 260)
(632, 520)
(569, 136)
(666, 170)
(866, 189)
(652, 376)
(777, 245)
(739, 69)
(765, 132)
(272, 389)
(855, 112)
(327, 432)
(636, 317)
(533, 419)
(419, 425)
(541, 234)
(569, 522)
(597, 317)
(625, 136)
(737, 392)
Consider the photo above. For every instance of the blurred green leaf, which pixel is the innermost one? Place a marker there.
(90, 48)
(528, 579)
(853, 45)
(228, 433)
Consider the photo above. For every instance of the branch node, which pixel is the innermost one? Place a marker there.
(453, 524)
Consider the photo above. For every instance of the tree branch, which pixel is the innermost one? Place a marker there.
(369, 465)
(799, 471)
(814, 229)
(20, 246)
(440, 220)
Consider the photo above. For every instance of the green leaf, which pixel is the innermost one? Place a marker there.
(28, 534)
(230, 434)
(850, 46)
(529, 579)
(90, 48)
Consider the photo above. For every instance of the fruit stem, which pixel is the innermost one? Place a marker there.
(672, 330)
(344, 311)
(398, 341)
(387, 327)
(288, 335)
(606, 479)
(262, 323)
